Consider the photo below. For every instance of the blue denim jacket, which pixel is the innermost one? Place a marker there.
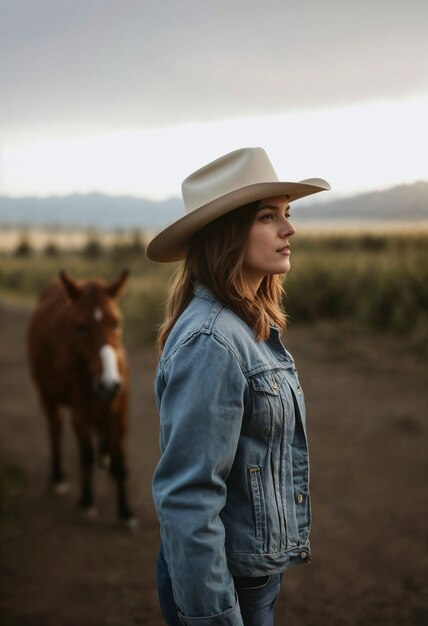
(231, 487)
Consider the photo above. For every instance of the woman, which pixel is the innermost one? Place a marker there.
(231, 486)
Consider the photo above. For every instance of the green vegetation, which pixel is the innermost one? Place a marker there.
(377, 282)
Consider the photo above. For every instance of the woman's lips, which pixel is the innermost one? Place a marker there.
(285, 251)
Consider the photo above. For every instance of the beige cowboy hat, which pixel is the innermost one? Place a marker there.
(235, 179)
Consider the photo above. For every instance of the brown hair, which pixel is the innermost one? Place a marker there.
(215, 259)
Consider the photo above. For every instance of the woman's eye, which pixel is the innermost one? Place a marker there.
(267, 218)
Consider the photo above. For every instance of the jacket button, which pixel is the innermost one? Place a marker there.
(299, 498)
(299, 390)
(303, 555)
(274, 385)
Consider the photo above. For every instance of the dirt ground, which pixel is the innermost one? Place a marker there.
(367, 406)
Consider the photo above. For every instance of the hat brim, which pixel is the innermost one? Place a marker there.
(171, 244)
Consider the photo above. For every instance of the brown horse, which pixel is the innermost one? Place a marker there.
(77, 360)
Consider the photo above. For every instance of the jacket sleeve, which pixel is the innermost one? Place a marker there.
(200, 396)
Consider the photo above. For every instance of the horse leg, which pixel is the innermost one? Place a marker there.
(54, 419)
(87, 458)
(119, 470)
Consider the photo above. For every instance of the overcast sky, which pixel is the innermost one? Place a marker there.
(74, 69)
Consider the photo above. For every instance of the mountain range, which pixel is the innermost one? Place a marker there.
(401, 204)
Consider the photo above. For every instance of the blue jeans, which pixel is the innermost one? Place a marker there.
(257, 596)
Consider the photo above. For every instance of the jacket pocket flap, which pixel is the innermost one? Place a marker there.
(269, 382)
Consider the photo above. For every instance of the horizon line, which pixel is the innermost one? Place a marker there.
(342, 195)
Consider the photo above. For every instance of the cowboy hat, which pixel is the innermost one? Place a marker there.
(233, 180)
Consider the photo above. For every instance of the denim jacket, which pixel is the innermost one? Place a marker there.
(231, 487)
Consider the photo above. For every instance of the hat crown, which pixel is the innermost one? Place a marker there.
(240, 168)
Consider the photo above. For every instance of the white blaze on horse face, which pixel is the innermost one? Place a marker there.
(110, 371)
(98, 314)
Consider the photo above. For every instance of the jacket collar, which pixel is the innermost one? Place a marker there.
(203, 292)
(200, 291)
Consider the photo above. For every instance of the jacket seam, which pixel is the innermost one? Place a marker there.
(204, 331)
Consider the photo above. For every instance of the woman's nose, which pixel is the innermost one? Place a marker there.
(287, 229)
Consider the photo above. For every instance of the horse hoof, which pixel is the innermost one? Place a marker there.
(89, 512)
(104, 462)
(132, 524)
(61, 488)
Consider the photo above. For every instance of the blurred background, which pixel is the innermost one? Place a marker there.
(105, 107)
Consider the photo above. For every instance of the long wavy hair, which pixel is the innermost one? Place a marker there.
(215, 259)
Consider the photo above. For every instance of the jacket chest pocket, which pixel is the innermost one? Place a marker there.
(267, 406)
(268, 382)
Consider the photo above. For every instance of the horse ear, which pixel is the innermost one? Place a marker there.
(70, 285)
(115, 287)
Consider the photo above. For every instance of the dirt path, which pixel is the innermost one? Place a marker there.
(368, 409)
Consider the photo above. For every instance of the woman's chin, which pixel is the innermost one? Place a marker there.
(285, 267)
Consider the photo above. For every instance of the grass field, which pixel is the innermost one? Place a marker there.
(376, 282)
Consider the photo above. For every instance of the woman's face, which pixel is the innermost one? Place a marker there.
(267, 250)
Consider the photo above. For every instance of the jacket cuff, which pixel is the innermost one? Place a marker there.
(231, 617)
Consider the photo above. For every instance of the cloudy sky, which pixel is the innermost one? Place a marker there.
(129, 96)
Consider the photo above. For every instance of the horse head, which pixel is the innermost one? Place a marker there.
(95, 330)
